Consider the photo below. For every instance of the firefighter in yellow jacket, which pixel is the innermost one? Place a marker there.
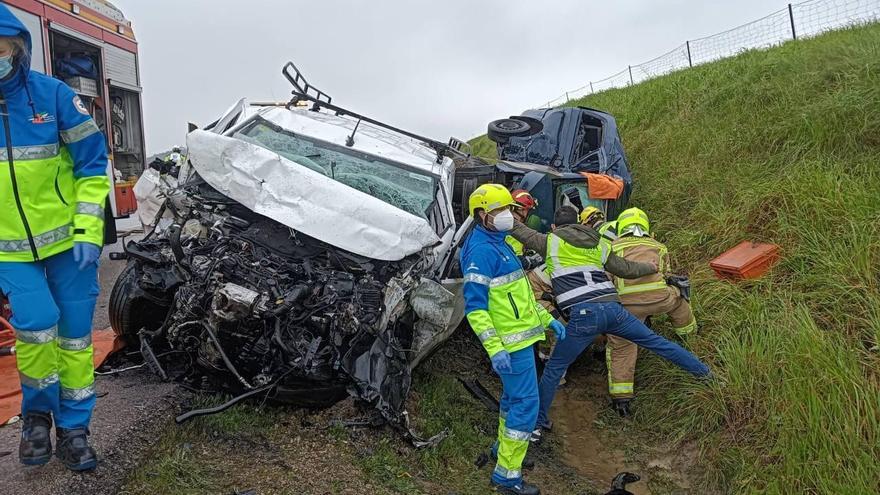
(643, 297)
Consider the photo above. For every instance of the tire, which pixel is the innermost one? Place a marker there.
(130, 310)
(501, 130)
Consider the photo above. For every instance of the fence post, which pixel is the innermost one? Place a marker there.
(567, 99)
(591, 87)
(688, 45)
(791, 18)
(630, 74)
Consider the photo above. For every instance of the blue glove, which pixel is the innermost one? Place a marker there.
(85, 253)
(558, 329)
(501, 362)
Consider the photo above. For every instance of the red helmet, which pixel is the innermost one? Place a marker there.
(523, 199)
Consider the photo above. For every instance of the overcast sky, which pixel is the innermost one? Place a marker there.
(441, 68)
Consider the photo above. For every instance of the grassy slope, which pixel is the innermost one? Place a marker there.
(782, 146)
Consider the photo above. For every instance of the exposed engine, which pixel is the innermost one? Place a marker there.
(223, 299)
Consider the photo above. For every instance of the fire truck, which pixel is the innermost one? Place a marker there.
(90, 45)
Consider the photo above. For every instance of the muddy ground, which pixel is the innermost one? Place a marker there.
(270, 449)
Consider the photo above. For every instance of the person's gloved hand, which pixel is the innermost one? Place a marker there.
(558, 328)
(531, 261)
(85, 253)
(501, 362)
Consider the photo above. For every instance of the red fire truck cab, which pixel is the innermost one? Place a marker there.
(90, 45)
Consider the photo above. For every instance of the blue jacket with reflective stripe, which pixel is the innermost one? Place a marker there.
(499, 302)
(54, 186)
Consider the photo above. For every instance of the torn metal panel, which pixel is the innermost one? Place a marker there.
(305, 200)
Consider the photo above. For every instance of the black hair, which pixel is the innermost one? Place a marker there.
(565, 215)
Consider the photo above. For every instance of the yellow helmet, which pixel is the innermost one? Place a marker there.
(588, 213)
(633, 220)
(489, 197)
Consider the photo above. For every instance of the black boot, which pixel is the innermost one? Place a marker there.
(522, 488)
(36, 444)
(74, 450)
(622, 406)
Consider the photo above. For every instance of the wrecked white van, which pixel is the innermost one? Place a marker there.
(304, 255)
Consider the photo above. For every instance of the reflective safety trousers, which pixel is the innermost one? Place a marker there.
(52, 304)
(518, 412)
(578, 274)
(53, 169)
(499, 303)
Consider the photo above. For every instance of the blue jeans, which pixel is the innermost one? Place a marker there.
(52, 305)
(587, 321)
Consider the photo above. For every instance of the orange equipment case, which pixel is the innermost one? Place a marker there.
(747, 260)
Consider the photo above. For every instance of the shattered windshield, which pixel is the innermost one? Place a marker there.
(411, 191)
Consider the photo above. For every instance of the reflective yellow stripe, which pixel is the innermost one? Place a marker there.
(507, 279)
(477, 278)
(38, 383)
(38, 336)
(67, 344)
(510, 474)
(37, 152)
(78, 393)
(79, 132)
(515, 338)
(95, 210)
(516, 435)
(620, 388)
(40, 240)
(622, 288)
(687, 329)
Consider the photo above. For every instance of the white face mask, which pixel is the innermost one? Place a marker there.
(503, 221)
(6, 66)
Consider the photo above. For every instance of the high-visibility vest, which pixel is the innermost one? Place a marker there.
(649, 282)
(518, 248)
(578, 274)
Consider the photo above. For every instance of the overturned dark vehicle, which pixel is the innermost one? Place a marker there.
(551, 152)
(304, 256)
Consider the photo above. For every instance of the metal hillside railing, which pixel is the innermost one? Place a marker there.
(796, 21)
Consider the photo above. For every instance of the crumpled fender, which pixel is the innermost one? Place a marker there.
(305, 200)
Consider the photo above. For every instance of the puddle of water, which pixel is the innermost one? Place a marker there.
(583, 446)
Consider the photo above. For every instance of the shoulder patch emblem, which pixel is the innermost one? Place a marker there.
(80, 106)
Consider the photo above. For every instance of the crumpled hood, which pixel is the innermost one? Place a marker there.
(10, 26)
(305, 200)
(578, 235)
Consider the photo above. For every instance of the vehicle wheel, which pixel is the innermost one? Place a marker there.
(501, 130)
(130, 309)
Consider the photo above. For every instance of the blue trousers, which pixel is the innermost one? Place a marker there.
(52, 305)
(518, 413)
(589, 320)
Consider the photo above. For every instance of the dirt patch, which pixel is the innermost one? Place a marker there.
(597, 444)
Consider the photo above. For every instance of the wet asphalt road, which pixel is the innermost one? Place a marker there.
(130, 407)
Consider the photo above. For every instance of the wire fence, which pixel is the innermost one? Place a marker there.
(796, 21)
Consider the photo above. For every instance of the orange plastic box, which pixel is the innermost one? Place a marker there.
(126, 204)
(746, 260)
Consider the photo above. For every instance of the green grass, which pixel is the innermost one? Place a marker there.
(781, 145)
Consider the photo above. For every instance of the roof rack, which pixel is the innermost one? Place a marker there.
(303, 91)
